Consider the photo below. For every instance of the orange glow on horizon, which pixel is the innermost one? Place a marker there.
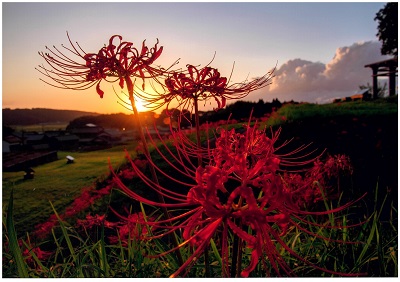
(139, 105)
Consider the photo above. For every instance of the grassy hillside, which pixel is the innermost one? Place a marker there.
(366, 131)
(57, 182)
(292, 113)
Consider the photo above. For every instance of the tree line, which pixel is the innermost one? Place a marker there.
(239, 110)
(39, 115)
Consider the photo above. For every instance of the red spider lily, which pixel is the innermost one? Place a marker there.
(199, 85)
(132, 227)
(241, 190)
(86, 199)
(306, 189)
(128, 173)
(75, 69)
(42, 230)
(113, 62)
(30, 250)
(96, 220)
(39, 253)
(88, 196)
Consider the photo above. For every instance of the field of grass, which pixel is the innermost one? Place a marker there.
(365, 131)
(40, 127)
(57, 182)
(384, 106)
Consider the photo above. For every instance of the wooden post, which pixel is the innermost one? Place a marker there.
(386, 68)
(374, 82)
(392, 81)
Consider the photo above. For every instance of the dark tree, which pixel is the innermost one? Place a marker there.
(276, 103)
(388, 28)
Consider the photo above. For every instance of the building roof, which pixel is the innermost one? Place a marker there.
(37, 137)
(384, 63)
(12, 139)
(69, 137)
(87, 130)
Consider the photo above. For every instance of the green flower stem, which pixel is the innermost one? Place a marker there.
(237, 248)
(200, 163)
(129, 85)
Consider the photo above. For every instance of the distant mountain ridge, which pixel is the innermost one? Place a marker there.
(40, 115)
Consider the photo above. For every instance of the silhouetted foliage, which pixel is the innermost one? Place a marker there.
(387, 18)
(106, 121)
(238, 110)
(241, 110)
(175, 116)
(120, 120)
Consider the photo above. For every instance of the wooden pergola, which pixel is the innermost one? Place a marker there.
(384, 68)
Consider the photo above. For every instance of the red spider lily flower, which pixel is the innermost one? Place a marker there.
(87, 197)
(42, 230)
(199, 85)
(129, 174)
(132, 227)
(306, 189)
(241, 191)
(91, 221)
(29, 250)
(41, 255)
(73, 68)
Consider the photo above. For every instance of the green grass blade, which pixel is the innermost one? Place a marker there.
(13, 241)
(325, 202)
(65, 233)
(393, 257)
(34, 256)
(380, 251)
(369, 240)
(216, 253)
(103, 255)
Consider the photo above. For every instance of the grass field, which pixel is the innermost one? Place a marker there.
(40, 127)
(385, 106)
(57, 182)
(365, 131)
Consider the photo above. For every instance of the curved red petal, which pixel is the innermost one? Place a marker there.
(99, 91)
(121, 82)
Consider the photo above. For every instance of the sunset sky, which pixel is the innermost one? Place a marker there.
(320, 49)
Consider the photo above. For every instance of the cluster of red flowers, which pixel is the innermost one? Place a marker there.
(38, 252)
(112, 63)
(86, 199)
(122, 61)
(30, 253)
(81, 203)
(242, 190)
(131, 227)
(127, 228)
(196, 85)
(311, 187)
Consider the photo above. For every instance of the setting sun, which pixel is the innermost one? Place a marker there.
(139, 105)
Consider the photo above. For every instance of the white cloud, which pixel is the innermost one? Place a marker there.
(307, 81)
